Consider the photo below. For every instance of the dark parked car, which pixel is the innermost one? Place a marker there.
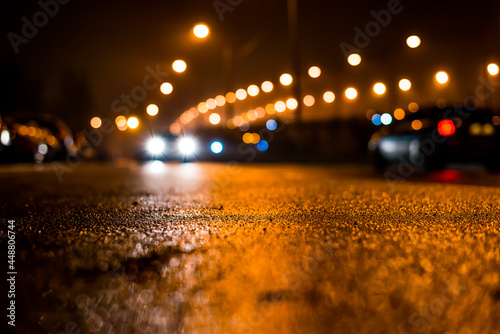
(431, 138)
(34, 137)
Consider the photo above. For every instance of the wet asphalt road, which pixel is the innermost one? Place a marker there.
(218, 248)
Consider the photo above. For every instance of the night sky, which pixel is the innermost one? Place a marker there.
(91, 52)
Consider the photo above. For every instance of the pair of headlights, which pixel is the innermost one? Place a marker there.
(157, 146)
(186, 146)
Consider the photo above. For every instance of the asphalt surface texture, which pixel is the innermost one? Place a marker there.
(232, 248)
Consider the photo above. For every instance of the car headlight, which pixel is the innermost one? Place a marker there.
(155, 146)
(186, 145)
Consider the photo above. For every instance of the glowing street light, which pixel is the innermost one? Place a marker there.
(241, 94)
(133, 122)
(96, 122)
(292, 104)
(267, 86)
(404, 84)
(442, 77)
(166, 88)
(309, 100)
(253, 90)
(214, 119)
(286, 79)
(179, 66)
(354, 59)
(413, 41)
(201, 31)
(329, 97)
(314, 72)
(152, 110)
(379, 88)
(351, 93)
(493, 69)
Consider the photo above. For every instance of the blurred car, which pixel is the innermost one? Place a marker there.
(34, 137)
(431, 138)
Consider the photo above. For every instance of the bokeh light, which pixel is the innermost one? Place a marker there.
(230, 97)
(133, 122)
(369, 113)
(214, 118)
(267, 86)
(354, 59)
(155, 146)
(96, 122)
(376, 119)
(186, 145)
(280, 106)
(216, 147)
(271, 124)
(253, 90)
(247, 138)
(121, 123)
(309, 100)
(329, 97)
(351, 93)
(166, 88)
(416, 124)
(241, 94)
(286, 79)
(179, 66)
(220, 100)
(399, 114)
(314, 72)
(413, 41)
(379, 88)
(202, 107)
(175, 128)
(441, 103)
(493, 69)
(201, 30)
(261, 112)
(404, 84)
(262, 145)
(270, 109)
(475, 129)
(152, 110)
(211, 104)
(413, 106)
(442, 77)
(488, 129)
(386, 119)
(292, 104)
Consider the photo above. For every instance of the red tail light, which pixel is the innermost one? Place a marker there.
(446, 127)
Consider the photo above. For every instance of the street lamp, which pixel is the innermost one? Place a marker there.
(201, 31)
(413, 41)
(354, 59)
(179, 66)
(493, 69)
(152, 110)
(379, 88)
(442, 77)
(404, 84)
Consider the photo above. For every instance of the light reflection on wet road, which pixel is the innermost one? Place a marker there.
(218, 248)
